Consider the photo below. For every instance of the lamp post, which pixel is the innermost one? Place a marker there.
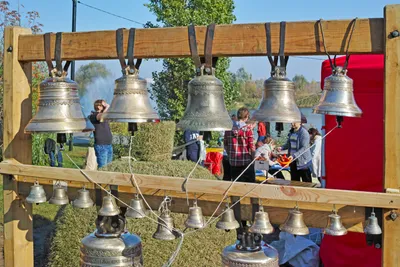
(74, 8)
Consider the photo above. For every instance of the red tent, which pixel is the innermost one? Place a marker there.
(354, 156)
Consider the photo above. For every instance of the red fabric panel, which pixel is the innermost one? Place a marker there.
(354, 156)
(214, 160)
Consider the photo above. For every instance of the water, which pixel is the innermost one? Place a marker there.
(313, 121)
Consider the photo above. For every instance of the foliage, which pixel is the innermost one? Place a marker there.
(88, 73)
(250, 90)
(154, 141)
(75, 224)
(173, 168)
(170, 85)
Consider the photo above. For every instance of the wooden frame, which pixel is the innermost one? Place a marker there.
(371, 36)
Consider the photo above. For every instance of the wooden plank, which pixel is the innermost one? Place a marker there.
(353, 218)
(391, 229)
(18, 240)
(230, 40)
(277, 192)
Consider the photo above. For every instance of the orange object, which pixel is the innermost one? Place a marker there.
(283, 160)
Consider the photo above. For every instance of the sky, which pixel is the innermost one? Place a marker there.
(56, 16)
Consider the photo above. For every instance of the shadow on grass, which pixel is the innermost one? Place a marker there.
(43, 233)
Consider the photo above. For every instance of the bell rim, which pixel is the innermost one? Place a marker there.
(301, 230)
(331, 232)
(58, 202)
(336, 113)
(264, 231)
(29, 200)
(130, 119)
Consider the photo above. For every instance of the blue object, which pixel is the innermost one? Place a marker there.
(259, 173)
(277, 167)
(104, 154)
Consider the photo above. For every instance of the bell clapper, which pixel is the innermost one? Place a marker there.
(339, 120)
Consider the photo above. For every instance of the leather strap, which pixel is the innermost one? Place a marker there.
(208, 45)
(120, 47)
(47, 45)
(57, 54)
(269, 49)
(193, 46)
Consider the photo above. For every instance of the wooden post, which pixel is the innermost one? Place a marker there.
(391, 229)
(17, 103)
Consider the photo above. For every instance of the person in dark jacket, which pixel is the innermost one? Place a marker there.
(102, 134)
(51, 149)
(193, 149)
(297, 144)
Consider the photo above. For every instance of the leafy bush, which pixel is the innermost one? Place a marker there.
(154, 141)
(200, 249)
(174, 168)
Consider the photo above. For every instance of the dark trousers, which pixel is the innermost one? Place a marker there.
(304, 174)
(249, 176)
(278, 175)
(52, 158)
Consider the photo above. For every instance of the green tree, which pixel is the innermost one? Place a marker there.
(300, 82)
(170, 85)
(88, 73)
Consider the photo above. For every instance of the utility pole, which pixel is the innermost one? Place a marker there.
(74, 8)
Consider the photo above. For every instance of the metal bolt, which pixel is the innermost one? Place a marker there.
(393, 215)
(10, 49)
(377, 245)
(394, 34)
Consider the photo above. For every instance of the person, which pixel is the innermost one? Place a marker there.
(316, 143)
(240, 149)
(102, 134)
(297, 144)
(193, 148)
(52, 149)
(261, 131)
(234, 117)
(266, 150)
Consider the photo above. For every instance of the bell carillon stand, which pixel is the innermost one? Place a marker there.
(371, 36)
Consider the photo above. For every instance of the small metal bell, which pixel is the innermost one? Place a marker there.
(37, 194)
(250, 253)
(83, 200)
(228, 221)
(205, 110)
(335, 226)
(337, 97)
(372, 227)
(109, 207)
(131, 102)
(278, 103)
(59, 109)
(164, 229)
(261, 224)
(195, 219)
(60, 196)
(294, 223)
(138, 211)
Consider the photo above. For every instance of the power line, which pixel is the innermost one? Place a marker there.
(137, 22)
(112, 14)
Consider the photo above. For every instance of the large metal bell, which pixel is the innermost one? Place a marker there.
(165, 227)
(59, 197)
(335, 226)
(250, 253)
(109, 207)
(83, 200)
(278, 103)
(294, 223)
(228, 221)
(372, 227)
(337, 97)
(131, 102)
(59, 109)
(37, 194)
(139, 210)
(261, 224)
(195, 219)
(205, 110)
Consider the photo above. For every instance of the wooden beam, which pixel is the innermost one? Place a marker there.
(277, 192)
(18, 227)
(352, 218)
(391, 229)
(302, 38)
